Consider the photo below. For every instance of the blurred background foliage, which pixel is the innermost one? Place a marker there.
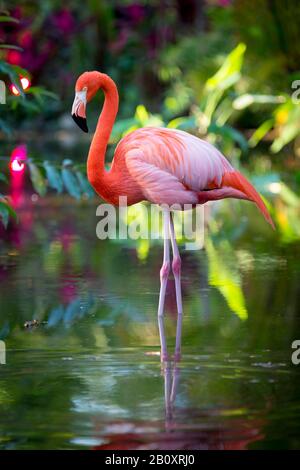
(225, 70)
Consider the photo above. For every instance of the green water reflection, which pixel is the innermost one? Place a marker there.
(89, 375)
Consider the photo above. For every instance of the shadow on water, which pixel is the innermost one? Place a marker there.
(88, 374)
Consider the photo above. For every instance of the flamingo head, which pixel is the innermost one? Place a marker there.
(86, 87)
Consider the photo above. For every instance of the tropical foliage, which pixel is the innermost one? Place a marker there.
(176, 72)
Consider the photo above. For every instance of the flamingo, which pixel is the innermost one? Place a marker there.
(163, 166)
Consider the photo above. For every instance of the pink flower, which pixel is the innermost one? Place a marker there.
(25, 39)
(135, 12)
(63, 20)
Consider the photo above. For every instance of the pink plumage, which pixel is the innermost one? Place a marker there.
(173, 167)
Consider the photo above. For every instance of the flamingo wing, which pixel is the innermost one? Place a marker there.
(170, 165)
(174, 167)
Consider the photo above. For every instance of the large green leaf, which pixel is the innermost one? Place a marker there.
(229, 71)
(225, 278)
(224, 78)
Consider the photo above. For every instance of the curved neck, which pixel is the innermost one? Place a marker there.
(96, 156)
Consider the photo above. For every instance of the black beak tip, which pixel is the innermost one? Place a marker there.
(81, 122)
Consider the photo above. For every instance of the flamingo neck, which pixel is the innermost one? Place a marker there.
(96, 158)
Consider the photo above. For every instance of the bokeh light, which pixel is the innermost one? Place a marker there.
(25, 85)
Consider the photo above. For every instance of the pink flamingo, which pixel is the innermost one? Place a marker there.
(161, 165)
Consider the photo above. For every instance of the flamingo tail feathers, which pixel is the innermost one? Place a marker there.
(236, 180)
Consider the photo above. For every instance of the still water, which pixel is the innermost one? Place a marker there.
(89, 376)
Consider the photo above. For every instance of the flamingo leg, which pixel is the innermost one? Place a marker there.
(176, 373)
(171, 380)
(176, 267)
(164, 274)
(168, 387)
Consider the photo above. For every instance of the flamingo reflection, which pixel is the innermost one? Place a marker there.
(182, 428)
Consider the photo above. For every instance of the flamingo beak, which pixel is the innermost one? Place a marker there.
(78, 110)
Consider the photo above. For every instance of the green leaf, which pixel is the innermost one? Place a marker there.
(230, 133)
(260, 132)
(8, 19)
(141, 114)
(53, 176)
(40, 91)
(223, 111)
(6, 211)
(11, 211)
(248, 99)
(10, 46)
(38, 182)
(70, 182)
(3, 178)
(120, 127)
(289, 131)
(4, 214)
(21, 71)
(85, 185)
(130, 129)
(11, 71)
(224, 78)
(229, 71)
(289, 196)
(183, 123)
(4, 127)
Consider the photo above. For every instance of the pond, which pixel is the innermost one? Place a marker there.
(88, 373)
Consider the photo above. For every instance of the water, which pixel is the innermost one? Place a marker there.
(89, 376)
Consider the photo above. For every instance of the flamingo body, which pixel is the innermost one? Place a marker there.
(172, 167)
